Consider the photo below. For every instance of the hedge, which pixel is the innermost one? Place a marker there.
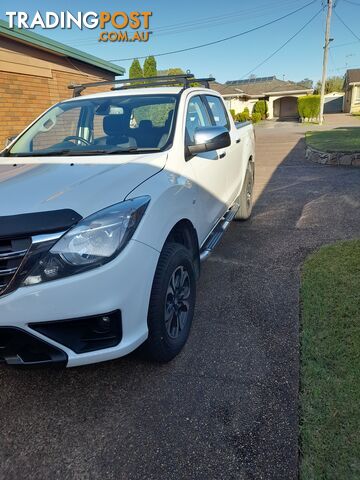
(309, 107)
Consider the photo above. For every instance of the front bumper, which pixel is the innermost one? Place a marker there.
(122, 285)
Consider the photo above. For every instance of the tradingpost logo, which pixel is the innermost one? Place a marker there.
(114, 26)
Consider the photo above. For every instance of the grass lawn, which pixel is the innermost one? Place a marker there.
(330, 364)
(344, 139)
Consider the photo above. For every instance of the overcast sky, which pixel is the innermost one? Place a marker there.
(187, 23)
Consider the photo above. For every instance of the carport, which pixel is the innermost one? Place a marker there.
(282, 105)
(286, 108)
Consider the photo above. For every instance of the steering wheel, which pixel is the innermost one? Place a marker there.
(75, 137)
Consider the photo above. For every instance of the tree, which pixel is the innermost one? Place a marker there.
(135, 70)
(175, 71)
(150, 67)
(307, 82)
(332, 84)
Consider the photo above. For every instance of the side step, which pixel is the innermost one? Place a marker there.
(217, 233)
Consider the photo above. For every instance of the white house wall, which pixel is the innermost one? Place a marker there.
(355, 99)
(239, 104)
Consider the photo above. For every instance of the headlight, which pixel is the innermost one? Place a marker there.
(91, 243)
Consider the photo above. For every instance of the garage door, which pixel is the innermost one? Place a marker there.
(333, 104)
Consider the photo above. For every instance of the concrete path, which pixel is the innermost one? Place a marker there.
(227, 407)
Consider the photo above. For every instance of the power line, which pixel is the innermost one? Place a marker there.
(343, 45)
(347, 26)
(206, 22)
(220, 40)
(283, 45)
(260, 9)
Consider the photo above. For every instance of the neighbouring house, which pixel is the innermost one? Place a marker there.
(352, 91)
(281, 95)
(35, 73)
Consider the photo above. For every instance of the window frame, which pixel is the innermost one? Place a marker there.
(228, 124)
(188, 101)
(6, 152)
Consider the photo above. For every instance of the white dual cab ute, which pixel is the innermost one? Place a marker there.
(108, 204)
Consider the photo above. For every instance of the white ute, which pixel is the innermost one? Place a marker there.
(108, 204)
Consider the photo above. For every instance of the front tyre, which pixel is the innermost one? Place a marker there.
(172, 303)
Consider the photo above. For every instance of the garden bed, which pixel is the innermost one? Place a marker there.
(340, 146)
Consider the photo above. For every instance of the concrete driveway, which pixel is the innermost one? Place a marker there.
(227, 407)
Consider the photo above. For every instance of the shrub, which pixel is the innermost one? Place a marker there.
(246, 112)
(233, 114)
(240, 117)
(256, 117)
(244, 116)
(261, 107)
(309, 107)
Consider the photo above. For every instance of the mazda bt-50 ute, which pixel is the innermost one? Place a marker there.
(108, 204)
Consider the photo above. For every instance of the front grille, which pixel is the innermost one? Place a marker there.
(12, 253)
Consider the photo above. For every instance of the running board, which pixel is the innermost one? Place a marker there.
(217, 233)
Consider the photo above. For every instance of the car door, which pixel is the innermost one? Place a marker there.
(231, 155)
(207, 170)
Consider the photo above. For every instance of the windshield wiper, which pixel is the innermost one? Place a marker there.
(77, 153)
(111, 151)
(53, 153)
(132, 150)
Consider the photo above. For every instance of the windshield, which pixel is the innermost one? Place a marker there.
(101, 125)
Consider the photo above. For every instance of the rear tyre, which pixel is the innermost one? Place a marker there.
(245, 199)
(172, 303)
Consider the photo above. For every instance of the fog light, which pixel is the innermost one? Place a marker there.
(103, 325)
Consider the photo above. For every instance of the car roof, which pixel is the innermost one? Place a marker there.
(142, 91)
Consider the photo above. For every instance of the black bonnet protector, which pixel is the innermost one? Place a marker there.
(38, 223)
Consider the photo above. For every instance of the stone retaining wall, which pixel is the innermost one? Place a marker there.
(332, 158)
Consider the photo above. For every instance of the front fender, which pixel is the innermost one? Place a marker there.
(173, 198)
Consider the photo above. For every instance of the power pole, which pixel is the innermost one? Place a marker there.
(325, 59)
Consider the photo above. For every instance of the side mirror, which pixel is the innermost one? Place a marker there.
(9, 140)
(207, 139)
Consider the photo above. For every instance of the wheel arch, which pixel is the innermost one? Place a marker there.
(184, 233)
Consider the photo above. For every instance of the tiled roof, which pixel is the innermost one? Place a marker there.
(255, 87)
(225, 89)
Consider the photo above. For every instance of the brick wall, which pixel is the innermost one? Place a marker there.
(23, 97)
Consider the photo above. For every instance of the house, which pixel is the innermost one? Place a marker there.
(35, 73)
(352, 91)
(281, 95)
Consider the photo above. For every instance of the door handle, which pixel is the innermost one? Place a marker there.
(222, 155)
(238, 140)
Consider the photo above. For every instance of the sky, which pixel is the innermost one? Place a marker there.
(188, 23)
